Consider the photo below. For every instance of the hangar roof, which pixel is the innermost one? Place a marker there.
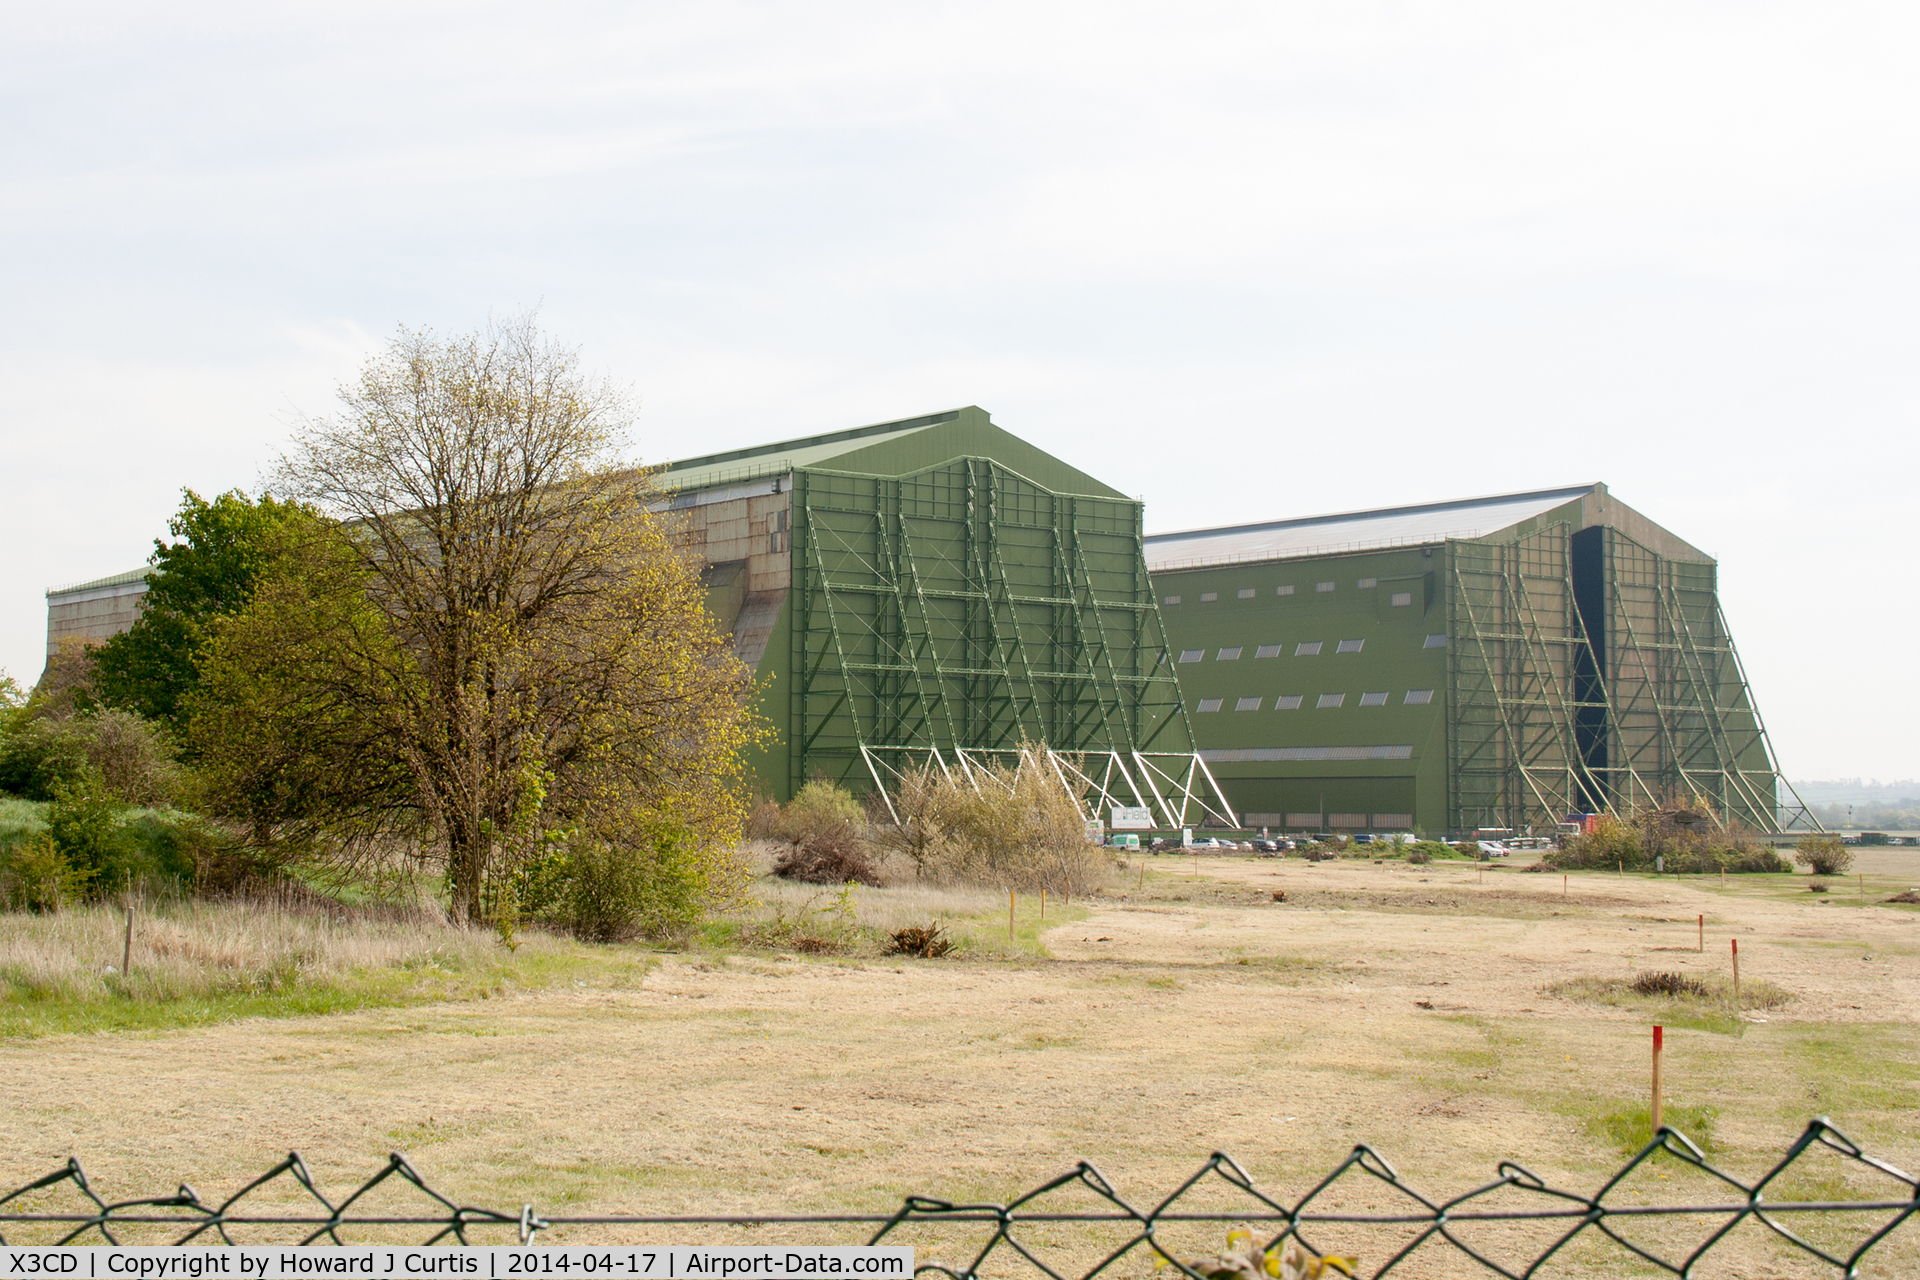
(886, 449)
(1357, 530)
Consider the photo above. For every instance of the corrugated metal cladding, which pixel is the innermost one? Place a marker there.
(938, 582)
(1495, 662)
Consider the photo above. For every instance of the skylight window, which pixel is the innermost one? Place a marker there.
(1288, 702)
(1245, 593)
(1208, 597)
(1171, 600)
(1401, 599)
(1209, 705)
(1323, 586)
(1435, 642)
(1367, 583)
(1248, 704)
(1330, 700)
(1417, 698)
(1192, 655)
(1351, 646)
(1228, 655)
(1268, 651)
(1307, 649)
(1373, 699)
(1286, 590)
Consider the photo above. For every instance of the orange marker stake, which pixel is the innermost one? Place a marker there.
(1043, 903)
(1736, 975)
(1703, 935)
(1659, 1117)
(1563, 886)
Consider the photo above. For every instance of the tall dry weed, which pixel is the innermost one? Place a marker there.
(189, 949)
(1010, 826)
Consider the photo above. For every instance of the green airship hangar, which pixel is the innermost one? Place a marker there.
(938, 592)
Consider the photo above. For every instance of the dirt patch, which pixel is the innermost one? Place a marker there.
(1490, 902)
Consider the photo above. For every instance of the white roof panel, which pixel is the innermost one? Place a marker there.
(1353, 530)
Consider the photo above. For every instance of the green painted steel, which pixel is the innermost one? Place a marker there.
(965, 604)
(1314, 695)
(1505, 681)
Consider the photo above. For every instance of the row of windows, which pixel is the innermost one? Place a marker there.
(1401, 599)
(1325, 701)
(1305, 649)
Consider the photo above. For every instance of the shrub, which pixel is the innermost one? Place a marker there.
(1419, 857)
(919, 825)
(1007, 826)
(822, 828)
(1655, 837)
(652, 883)
(39, 756)
(88, 829)
(1824, 855)
(1021, 830)
(828, 857)
(133, 756)
(35, 876)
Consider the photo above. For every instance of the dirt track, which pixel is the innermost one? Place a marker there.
(1395, 1005)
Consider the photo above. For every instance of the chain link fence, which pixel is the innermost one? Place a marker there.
(1515, 1226)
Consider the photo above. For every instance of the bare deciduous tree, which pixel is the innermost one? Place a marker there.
(538, 656)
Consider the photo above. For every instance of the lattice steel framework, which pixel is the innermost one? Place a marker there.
(1176, 788)
(965, 607)
(1601, 686)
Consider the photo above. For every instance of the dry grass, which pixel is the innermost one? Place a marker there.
(208, 961)
(861, 920)
(1160, 1030)
(190, 949)
(1705, 1002)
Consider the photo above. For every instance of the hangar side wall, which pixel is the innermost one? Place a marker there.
(1317, 687)
(966, 605)
(94, 611)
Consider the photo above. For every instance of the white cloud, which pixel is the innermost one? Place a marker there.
(1247, 259)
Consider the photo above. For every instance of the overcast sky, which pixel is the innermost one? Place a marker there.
(1247, 261)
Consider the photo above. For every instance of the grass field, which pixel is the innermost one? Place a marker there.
(1448, 1016)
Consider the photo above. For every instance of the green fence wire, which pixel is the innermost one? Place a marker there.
(1007, 1231)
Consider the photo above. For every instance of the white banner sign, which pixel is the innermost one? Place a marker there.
(1125, 819)
(485, 1262)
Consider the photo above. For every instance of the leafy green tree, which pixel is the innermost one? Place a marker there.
(494, 605)
(209, 573)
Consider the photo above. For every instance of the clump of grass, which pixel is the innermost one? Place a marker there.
(1670, 984)
(1704, 1003)
(1630, 1128)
